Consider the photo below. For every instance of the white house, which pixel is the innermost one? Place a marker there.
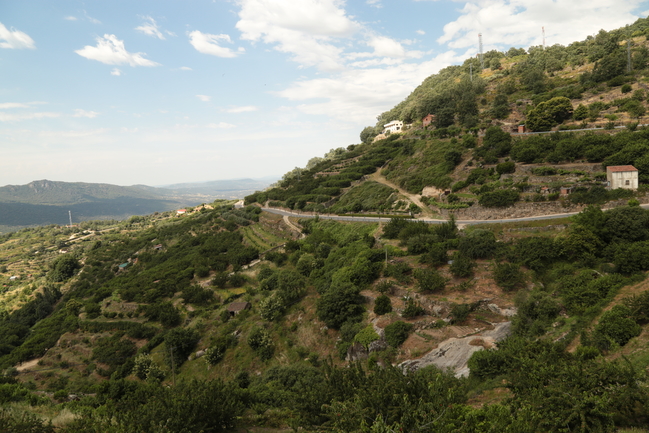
(622, 176)
(394, 126)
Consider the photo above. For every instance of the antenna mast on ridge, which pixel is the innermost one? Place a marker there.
(70, 214)
(543, 31)
(628, 50)
(480, 48)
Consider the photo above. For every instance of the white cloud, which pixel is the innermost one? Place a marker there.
(518, 22)
(70, 18)
(358, 95)
(15, 39)
(386, 47)
(111, 51)
(83, 113)
(116, 71)
(204, 98)
(7, 105)
(150, 28)
(375, 3)
(306, 29)
(245, 109)
(91, 19)
(209, 44)
(420, 32)
(74, 134)
(221, 125)
(186, 68)
(5, 117)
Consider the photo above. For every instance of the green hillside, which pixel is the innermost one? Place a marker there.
(587, 99)
(47, 202)
(224, 319)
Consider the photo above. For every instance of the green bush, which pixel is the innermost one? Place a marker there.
(499, 198)
(366, 336)
(382, 305)
(462, 265)
(261, 342)
(506, 167)
(508, 276)
(396, 333)
(412, 309)
(618, 325)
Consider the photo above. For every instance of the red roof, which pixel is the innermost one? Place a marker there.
(618, 168)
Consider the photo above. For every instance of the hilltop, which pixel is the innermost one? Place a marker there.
(459, 140)
(46, 202)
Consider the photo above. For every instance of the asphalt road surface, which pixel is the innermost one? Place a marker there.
(426, 220)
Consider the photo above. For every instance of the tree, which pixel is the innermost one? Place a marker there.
(396, 333)
(549, 113)
(382, 305)
(499, 198)
(508, 276)
(581, 112)
(367, 134)
(462, 265)
(500, 107)
(618, 325)
(506, 167)
(339, 304)
(179, 344)
(63, 268)
(272, 307)
(260, 341)
(429, 280)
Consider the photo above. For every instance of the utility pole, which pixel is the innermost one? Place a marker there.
(173, 366)
(480, 49)
(628, 50)
(471, 71)
(70, 214)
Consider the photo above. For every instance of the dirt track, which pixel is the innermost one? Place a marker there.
(378, 177)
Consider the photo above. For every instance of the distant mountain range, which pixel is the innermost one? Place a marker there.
(45, 202)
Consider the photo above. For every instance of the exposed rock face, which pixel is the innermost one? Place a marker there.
(356, 352)
(454, 353)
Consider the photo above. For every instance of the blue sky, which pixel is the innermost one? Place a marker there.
(161, 92)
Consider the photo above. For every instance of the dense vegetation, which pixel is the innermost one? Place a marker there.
(139, 319)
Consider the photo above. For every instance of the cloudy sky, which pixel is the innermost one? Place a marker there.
(160, 91)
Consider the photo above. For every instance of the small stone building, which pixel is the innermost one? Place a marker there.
(622, 176)
(237, 307)
(430, 118)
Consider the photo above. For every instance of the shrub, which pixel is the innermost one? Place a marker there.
(429, 280)
(179, 344)
(272, 308)
(618, 325)
(460, 312)
(462, 265)
(508, 276)
(412, 309)
(214, 355)
(499, 198)
(382, 305)
(397, 332)
(506, 167)
(366, 336)
(260, 341)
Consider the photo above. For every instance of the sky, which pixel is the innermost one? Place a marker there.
(158, 92)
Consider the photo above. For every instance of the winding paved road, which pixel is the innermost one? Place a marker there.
(426, 220)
